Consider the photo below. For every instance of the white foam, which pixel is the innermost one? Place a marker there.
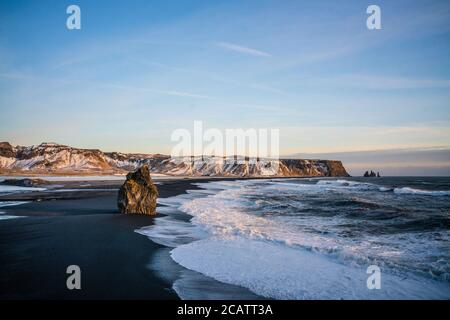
(370, 186)
(12, 189)
(67, 178)
(346, 184)
(407, 190)
(281, 272)
(11, 203)
(7, 217)
(273, 257)
(175, 202)
(3, 216)
(171, 232)
(222, 215)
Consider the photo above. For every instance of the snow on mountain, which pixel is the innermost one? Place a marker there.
(52, 158)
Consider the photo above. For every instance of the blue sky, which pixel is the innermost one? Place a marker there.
(137, 70)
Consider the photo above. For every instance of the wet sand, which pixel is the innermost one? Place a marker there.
(80, 228)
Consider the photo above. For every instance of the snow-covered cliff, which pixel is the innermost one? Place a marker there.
(52, 158)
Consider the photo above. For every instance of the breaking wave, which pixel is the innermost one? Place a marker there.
(311, 238)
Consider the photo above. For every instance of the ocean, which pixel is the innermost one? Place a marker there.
(314, 238)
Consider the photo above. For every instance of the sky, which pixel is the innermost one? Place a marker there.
(138, 70)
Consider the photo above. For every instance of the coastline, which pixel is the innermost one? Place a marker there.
(77, 223)
(84, 228)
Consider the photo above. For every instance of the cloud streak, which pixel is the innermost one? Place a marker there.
(241, 49)
(388, 82)
(153, 91)
(212, 77)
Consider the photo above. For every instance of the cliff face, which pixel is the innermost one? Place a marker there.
(336, 168)
(51, 158)
(300, 167)
(7, 150)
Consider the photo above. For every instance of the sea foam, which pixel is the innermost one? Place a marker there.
(14, 189)
(3, 216)
(407, 190)
(238, 235)
(280, 272)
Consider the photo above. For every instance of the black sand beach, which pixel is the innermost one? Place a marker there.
(82, 228)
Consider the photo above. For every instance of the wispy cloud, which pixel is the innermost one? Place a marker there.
(267, 88)
(16, 76)
(389, 82)
(373, 81)
(242, 49)
(211, 76)
(154, 91)
(429, 20)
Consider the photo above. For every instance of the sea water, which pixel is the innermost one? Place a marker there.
(314, 238)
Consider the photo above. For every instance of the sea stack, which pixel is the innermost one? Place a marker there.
(138, 194)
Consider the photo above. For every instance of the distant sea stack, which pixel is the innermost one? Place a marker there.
(53, 158)
(371, 174)
(138, 194)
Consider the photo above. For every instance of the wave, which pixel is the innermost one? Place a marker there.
(11, 203)
(346, 184)
(14, 189)
(370, 186)
(408, 190)
(3, 216)
(280, 272)
(261, 235)
(171, 232)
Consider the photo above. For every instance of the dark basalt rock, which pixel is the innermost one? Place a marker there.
(138, 194)
(24, 182)
(6, 150)
(371, 174)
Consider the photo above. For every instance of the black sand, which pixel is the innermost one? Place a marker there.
(85, 229)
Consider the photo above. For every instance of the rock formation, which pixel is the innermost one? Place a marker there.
(27, 182)
(7, 150)
(371, 174)
(138, 194)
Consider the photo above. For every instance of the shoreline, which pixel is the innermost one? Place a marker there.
(73, 227)
(77, 222)
(238, 239)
